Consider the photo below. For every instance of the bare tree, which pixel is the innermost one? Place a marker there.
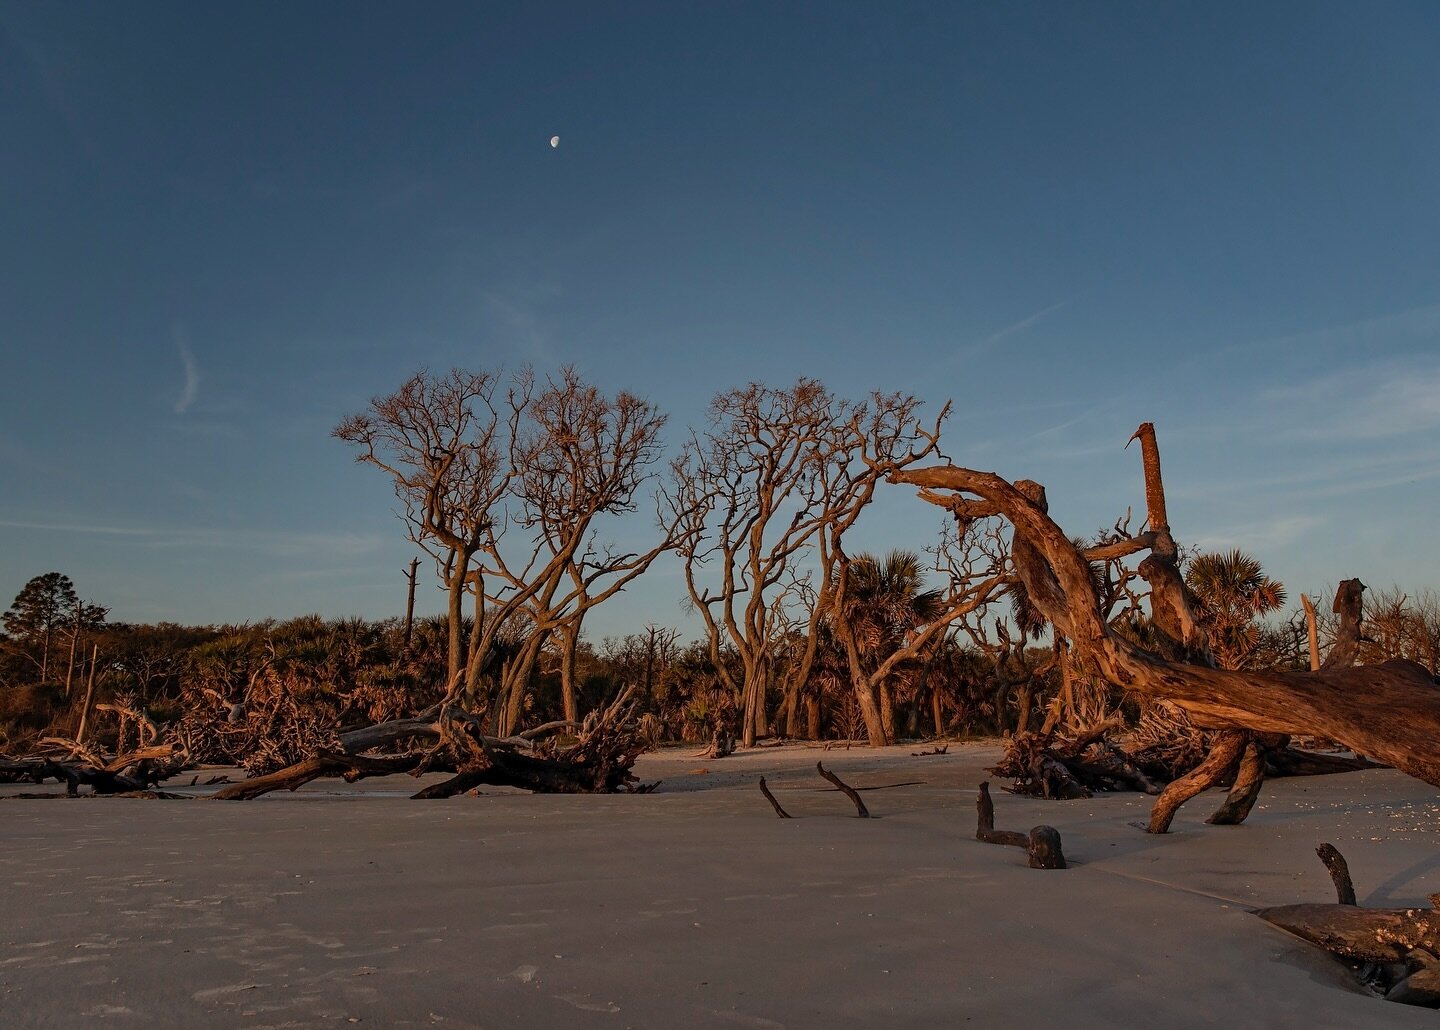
(765, 497)
(1389, 711)
(506, 492)
(442, 440)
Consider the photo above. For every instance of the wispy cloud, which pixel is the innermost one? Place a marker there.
(1262, 535)
(191, 388)
(1371, 401)
(989, 343)
(275, 542)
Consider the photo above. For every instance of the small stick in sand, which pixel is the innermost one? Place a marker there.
(773, 803)
(860, 809)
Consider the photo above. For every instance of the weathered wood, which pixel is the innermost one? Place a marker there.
(773, 803)
(1312, 632)
(1369, 934)
(1200, 779)
(1421, 988)
(1391, 714)
(860, 810)
(1246, 789)
(1349, 599)
(1294, 762)
(351, 767)
(1042, 844)
(1339, 873)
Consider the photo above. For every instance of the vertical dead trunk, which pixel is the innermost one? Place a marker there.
(70, 668)
(1313, 631)
(569, 640)
(812, 718)
(89, 694)
(410, 604)
(937, 712)
(1349, 603)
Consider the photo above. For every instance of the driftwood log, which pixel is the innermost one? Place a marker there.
(764, 789)
(1041, 844)
(76, 766)
(1399, 946)
(1390, 712)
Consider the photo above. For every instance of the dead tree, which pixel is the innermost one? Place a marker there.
(1400, 946)
(781, 476)
(507, 491)
(1388, 712)
(598, 760)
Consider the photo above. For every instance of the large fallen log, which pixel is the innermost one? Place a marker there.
(1398, 946)
(77, 766)
(1389, 712)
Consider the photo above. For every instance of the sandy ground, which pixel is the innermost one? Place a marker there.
(693, 906)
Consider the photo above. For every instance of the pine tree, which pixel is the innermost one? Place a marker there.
(45, 603)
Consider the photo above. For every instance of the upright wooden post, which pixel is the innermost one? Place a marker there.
(1314, 633)
(410, 604)
(89, 694)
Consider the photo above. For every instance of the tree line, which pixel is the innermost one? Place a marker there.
(514, 485)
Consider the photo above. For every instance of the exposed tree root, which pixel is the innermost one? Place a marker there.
(1042, 843)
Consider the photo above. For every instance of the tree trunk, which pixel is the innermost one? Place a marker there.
(812, 718)
(870, 711)
(887, 712)
(569, 639)
(1386, 712)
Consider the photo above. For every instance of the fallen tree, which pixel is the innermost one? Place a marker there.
(598, 760)
(1398, 947)
(1390, 712)
(76, 766)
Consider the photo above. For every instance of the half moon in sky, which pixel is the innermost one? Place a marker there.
(554, 141)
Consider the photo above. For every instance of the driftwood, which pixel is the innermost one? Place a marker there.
(597, 761)
(773, 803)
(1053, 766)
(1388, 712)
(1339, 873)
(860, 810)
(1042, 843)
(1399, 945)
(80, 766)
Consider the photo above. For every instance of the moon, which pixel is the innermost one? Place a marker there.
(554, 141)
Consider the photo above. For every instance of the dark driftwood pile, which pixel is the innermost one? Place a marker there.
(1049, 765)
(76, 766)
(597, 759)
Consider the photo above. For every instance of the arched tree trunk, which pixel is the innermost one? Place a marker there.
(1390, 712)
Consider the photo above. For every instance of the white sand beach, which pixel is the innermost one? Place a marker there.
(694, 906)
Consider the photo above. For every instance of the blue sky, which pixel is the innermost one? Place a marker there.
(222, 228)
